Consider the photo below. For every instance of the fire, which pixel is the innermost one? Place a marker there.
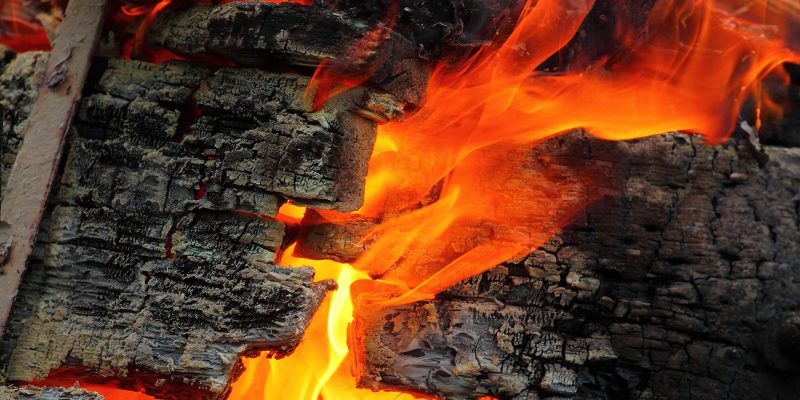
(455, 187)
(314, 370)
(20, 29)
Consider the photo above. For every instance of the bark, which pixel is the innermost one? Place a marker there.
(259, 34)
(156, 264)
(338, 237)
(681, 282)
(46, 393)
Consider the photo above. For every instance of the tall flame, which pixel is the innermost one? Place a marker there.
(314, 370)
(456, 187)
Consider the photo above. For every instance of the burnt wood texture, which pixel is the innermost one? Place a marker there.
(155, 269)
(157, 259)
(681, 282)
(35, 167)
(266, 34)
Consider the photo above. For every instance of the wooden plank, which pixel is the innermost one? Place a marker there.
(35, 167)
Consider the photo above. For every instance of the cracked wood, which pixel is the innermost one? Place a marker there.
(681, 282)
(34, 169)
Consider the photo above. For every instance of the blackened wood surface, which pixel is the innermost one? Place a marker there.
(442, 28)
(259, 34)
(682, 282)
(156, 266)
(46, 393)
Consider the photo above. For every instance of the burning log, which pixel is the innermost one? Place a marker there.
(156, 226)
(46, 393)
(259, 34)
(676, 284)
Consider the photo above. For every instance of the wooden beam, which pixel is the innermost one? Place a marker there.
(37, 161)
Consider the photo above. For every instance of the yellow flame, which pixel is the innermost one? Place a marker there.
(317, 368)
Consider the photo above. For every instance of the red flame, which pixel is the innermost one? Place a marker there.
(455, 187)
(19, 29)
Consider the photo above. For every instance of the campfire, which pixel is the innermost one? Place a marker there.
(400, 199)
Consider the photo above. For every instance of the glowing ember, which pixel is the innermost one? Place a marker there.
(453, 187)
(20, 29)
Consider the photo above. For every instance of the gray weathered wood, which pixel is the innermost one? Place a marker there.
(19, 84)
(156, 265)
(34, 169)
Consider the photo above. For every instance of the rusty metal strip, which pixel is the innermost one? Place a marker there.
(35, 167)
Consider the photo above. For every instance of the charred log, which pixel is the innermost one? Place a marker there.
(259, 34)
(339, 237)
(46, 393)
(156, 265)
(680, 283)
(19, 83)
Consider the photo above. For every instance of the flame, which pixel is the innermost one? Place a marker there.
(692, 70)
(290, 214)
(380, 175)
(456, 187)
(314, 370)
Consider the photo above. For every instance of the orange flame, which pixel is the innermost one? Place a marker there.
(314, 370)
(335, 77)
(691, 70)
(458, 189)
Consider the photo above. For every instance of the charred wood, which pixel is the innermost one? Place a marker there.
(19, 83)
(259, 34)
(156, 264)
(444, 28)
(38, 158)
(680, 283)
(338, 237)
